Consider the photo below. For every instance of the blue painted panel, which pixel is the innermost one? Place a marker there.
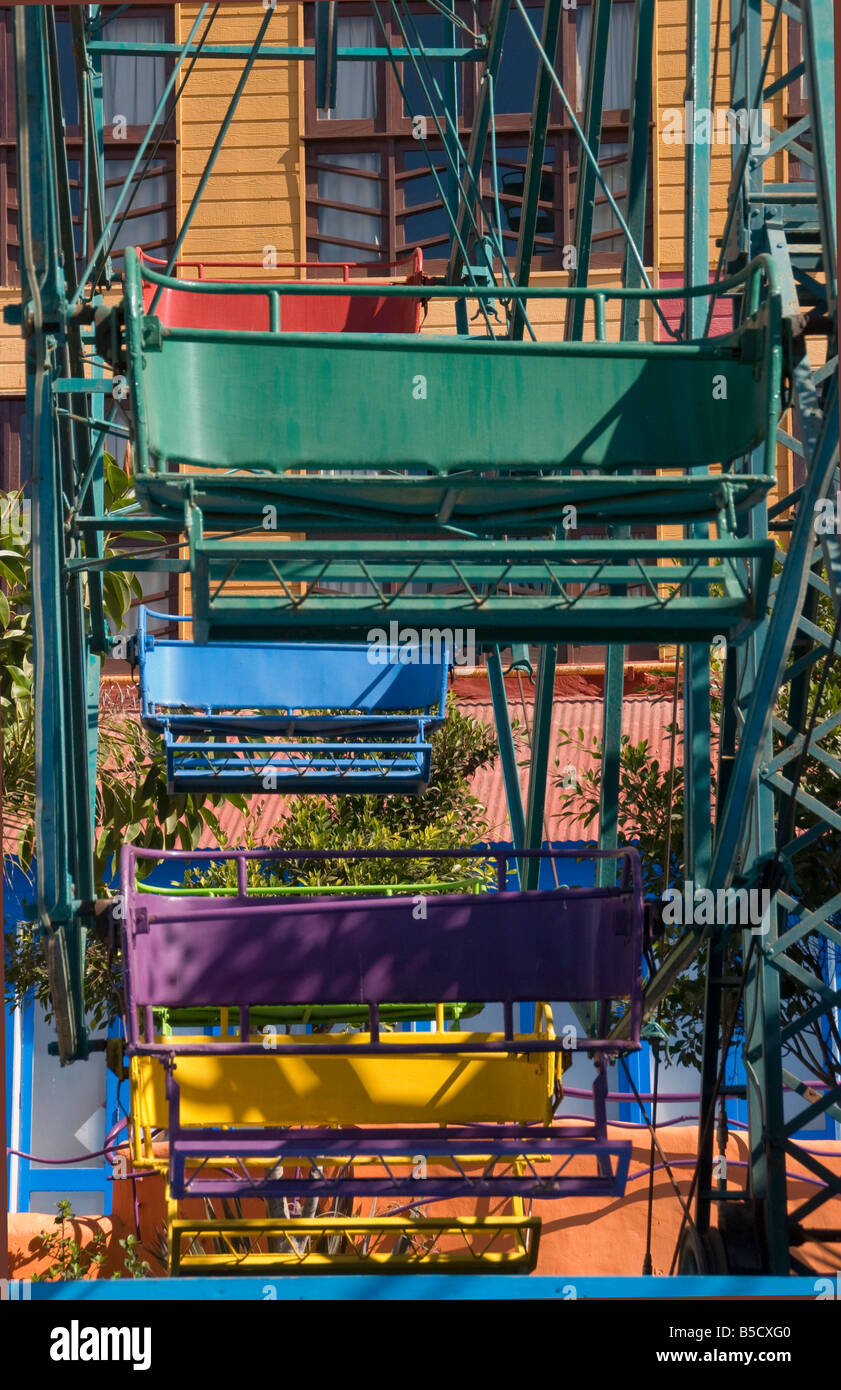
(420, 1288)
(284, 676)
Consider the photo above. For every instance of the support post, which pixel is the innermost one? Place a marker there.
(638, 137)
(507, 754)
(585, 194)
(696, 241)
(326, 47)
(614, 680)
(538, 770)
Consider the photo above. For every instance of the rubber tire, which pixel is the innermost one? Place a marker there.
(702, 1254)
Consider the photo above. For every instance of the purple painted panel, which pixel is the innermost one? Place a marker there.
(571, 943)
(560, 945)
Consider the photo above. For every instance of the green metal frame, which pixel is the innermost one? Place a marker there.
(485, 538)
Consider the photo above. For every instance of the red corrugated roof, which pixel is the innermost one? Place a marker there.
(644, 716)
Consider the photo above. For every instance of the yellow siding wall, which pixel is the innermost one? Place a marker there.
(671, 92)
(253, 197)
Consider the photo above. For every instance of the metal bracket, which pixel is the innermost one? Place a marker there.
(151, 338)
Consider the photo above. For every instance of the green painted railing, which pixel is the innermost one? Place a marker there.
(272, 402)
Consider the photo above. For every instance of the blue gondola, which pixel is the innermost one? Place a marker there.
(291, 717)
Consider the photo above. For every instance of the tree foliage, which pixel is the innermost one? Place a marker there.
(132, 803)
(445, 816)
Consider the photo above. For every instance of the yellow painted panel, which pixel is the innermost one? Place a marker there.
(208, 244)
(331, 1090)
(257, 188)
(454, 1243)
(217, 81)
(240, 23)
(249, 159)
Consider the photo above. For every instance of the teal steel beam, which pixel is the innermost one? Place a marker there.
(614, 679)
(75, 448)
(696, 249)
(453, 146)
(763, 1046)
(540, 753)
(771, 663)
(92, 80)
(39, 216)
(696, 698)
(43, 299)
(326, 54)
(507, 751)
(709, 1084)
(788, 604)
(538, 131)
(697, 767)
(638, 140)
(272, 53)
(478, 136)
(818, 42)
(585, 194)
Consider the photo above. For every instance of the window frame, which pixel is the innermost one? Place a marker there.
(389, 134)
(127, 148)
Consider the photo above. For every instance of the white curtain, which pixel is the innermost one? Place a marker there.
(132, 83)
(356, 99)
(356, 226)
(620, 54)
(356, 83)
(616, 178)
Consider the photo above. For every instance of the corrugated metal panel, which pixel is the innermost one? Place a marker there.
(643, 718)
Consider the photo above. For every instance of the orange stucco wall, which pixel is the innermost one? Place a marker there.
(579, 1237)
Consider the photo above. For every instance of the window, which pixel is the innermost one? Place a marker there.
(132, 86)
(9, 251)
(14, 448)
(370, 192)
